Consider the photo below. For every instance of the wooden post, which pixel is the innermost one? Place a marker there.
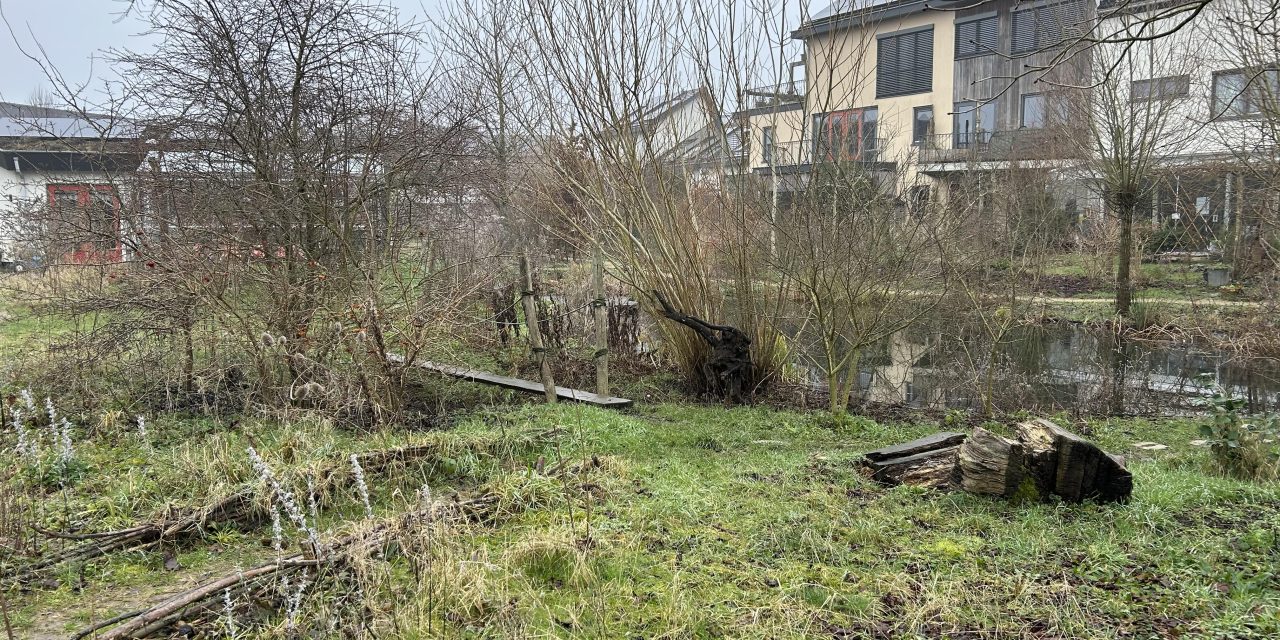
(535, 336)
(601, 314)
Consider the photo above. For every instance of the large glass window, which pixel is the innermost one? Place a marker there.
(1040, 110)
(1244, 93)
(974, 123)
(904, 63)
(846, 135)
(766, 145)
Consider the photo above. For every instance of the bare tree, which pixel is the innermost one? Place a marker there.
(1125, 137)
(269, 225)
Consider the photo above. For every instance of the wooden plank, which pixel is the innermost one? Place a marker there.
(934, 469)
(940, 440)
(516, 384)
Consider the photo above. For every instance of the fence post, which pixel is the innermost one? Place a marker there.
(601, 314)
(535, 336)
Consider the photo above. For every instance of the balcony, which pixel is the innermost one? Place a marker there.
(998, 146)
(773, 95)
(799, 156)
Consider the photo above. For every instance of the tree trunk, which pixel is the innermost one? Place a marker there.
(1074, 468)
(601, 316)
(535, 336)
(729, 369)
(1057, 461)
(1125, 205)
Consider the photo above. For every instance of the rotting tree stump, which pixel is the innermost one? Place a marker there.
(990, 464)
(728, 370)
(927, 462)
(1074, 468)
(1043, 456)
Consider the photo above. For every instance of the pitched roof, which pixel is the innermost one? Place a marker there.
(658, 109)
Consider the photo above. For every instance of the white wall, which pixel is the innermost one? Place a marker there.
(19, 190)
(1213, 41)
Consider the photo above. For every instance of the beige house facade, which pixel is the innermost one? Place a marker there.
(921, 93)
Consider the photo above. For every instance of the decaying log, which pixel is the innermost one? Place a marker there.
(1057, 461)
(1074, 468)
(990, 464)
(926, 462)
(1040, 454)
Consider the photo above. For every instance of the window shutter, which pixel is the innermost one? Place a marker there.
(904, 64)
(1048, 26)
(1024, 31)
(977, 37)
(989, 34)
(1071, 17)
(966, 35)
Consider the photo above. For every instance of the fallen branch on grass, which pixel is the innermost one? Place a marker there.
(240, 509)
(256, 583)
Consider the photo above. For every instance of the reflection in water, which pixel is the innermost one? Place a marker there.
(1059, 366)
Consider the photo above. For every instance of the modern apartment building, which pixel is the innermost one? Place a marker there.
(936, 96)
(922, 91)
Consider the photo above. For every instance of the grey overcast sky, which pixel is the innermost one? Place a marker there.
(75, 32)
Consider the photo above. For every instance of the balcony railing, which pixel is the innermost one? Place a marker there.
(989, 146)
(802, 154)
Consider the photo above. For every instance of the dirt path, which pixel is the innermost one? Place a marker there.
(1207, 302)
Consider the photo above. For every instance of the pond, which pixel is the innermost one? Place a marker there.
(1055, 366)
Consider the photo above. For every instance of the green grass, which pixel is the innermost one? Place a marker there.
(700, 522)
(753, 523)
(1173, 276)
(710, 522)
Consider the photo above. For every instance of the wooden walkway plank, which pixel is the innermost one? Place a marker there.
(517, 384)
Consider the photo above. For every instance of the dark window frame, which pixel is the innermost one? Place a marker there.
(916, 138)
(972, 109)
(1182, 90)
(1044, 110)
(1252, 108)
(767, 138)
